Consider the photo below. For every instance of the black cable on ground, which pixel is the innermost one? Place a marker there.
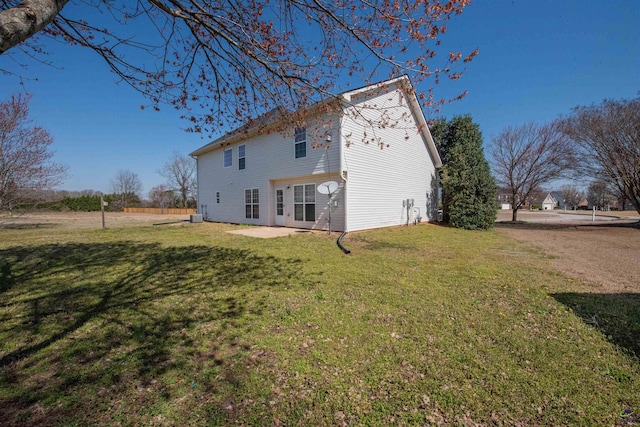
(339, 242)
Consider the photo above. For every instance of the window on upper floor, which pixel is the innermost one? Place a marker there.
(241, 157)
(228, 157)
(300, 142)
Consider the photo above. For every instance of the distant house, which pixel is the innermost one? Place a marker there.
(375, 145)
(536, 200)
(504, 199)
(549, 203)
(583, 203)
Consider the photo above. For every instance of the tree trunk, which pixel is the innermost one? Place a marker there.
(20, 22)
(515, 203)
(185, 196)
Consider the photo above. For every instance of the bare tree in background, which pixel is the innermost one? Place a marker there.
(27, 171)
(571, 196)
(161, 196)
(127, 187)
(600, 195)
(223, 62)
(180, 173)
(527, 157)
(608, 139)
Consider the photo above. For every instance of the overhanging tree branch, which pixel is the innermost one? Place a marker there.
(225, 62)
(25, 19)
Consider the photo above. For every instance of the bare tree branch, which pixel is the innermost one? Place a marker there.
(23, 20)
(126, 186)
(180, 174)
(607, 136)
(26, 166)
(224, 62)
(529, 156)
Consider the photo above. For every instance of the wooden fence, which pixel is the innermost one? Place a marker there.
(158, 211)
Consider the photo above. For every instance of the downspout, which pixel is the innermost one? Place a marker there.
(344, 192)
(342, 172)
(197, 186)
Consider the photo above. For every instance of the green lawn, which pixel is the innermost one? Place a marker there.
(188, 325)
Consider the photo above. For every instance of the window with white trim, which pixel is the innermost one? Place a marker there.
(228, 157)
(300, 146)
(241, 157)
(304, 202)
(252, 203)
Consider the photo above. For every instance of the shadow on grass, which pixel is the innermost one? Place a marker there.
(617, 316)
(116, 316)
(28, 226)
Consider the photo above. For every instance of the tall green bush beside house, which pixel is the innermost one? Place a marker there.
(468, 188)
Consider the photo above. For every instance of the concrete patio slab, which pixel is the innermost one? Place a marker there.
(269, 232)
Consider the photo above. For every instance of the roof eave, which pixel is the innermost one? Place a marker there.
(241, 134)
(423, 126)
(342, 99)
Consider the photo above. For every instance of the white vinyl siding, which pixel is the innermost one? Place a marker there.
(373, 182)
(380, 179)
(276, 163)
(321, 203)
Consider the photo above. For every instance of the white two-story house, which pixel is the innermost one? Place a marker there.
(372, 142)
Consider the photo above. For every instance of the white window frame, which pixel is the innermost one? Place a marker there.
(224, 157)
(242, 157)
(252, 201)
(304, 202)
(300, 139)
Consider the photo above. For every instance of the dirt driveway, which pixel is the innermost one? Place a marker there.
(604, 254)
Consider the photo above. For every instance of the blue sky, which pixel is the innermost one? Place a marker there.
(537, 60)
